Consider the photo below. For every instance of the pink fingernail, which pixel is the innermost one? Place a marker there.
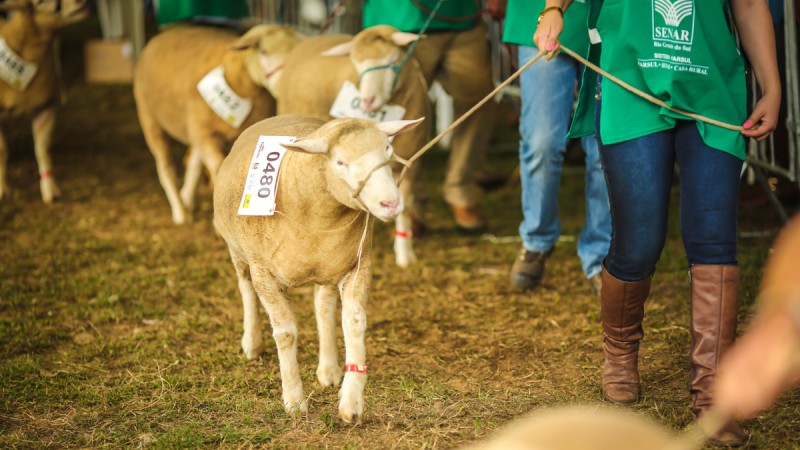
(549, 47)
(747, 125)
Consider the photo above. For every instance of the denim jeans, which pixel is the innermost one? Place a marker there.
(548, 93)
(639, 174)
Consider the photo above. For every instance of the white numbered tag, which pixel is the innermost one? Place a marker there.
(347, 104)
(222, 100)
(261, 184)
(14, 70)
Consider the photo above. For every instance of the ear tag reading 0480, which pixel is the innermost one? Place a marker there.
(14, 70)
(348, 104)
(222, 99)
(261, 184)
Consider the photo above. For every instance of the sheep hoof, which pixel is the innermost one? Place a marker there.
(253, 348)
(49, 189)
(296, 408)
(329, 375)
(187, 198)
(351, 413)
(181, 217)
(404, 259)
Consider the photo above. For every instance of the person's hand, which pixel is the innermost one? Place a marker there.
(760, 365)
(548, 31)
(764, 118)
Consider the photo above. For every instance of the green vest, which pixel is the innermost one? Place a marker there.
(680, 51)
(521, 17)
(406, 16)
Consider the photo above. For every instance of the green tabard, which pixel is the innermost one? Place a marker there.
(521, 17)
(680, 51)
(406, 16)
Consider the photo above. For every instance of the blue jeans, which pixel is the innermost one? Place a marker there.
(548, 93)
(639, 174)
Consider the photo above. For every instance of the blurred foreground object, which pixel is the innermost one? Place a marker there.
(765, 362)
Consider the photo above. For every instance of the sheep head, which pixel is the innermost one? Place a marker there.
(266, 47)
(354, 149)
(375, 53)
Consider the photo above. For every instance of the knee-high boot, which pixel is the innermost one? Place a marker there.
(622, 310)
(715, 293)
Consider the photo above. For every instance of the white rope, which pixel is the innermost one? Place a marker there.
(360, 251)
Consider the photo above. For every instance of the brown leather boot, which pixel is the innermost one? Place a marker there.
(622, 310)
(715, 293)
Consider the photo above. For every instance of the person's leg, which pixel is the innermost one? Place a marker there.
(465, 73)
(548, 92)
(595, 237)
(709, 200)
(639, 177)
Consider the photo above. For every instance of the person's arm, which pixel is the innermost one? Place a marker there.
(754, 22)
(766, 360)
(551, 26)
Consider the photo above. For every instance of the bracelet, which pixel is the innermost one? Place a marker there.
(547, 10)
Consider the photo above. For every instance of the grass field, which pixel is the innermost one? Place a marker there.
(121, 329)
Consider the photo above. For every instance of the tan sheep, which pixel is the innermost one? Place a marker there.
(169, 103)
(322, 234)
(314, 73)
(29, 80)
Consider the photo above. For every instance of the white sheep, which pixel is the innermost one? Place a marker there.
(314, 73)
(322, 234)
(168, 101)
(29, 84)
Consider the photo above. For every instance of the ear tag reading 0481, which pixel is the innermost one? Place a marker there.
(222, 99)
(261, 184)
(14, 70)
(348, 104)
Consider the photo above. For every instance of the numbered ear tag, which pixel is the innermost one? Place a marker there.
(13, 69)
(261, 184)
(219, 96)
(348, 104)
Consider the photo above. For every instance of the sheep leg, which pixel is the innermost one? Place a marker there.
(403, 237)
(211, 155)
(252, 339)
(354, 324)
(194, 169)
(329, 372)
(159, 147)
(42, 126)
(4, 188)
(284, 331)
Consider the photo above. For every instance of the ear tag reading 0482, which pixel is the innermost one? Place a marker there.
(222, 99)
(348, 104)
(14, 70)
(261, 184)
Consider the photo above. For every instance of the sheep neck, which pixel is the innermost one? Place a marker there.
(238, 76)
(21, 34)
(318, 195)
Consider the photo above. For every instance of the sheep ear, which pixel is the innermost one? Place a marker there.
(394, 127)
(308, 146)
(402, 39)
(247, 40)
(339, 50)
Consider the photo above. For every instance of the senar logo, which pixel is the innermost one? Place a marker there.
(670, 24)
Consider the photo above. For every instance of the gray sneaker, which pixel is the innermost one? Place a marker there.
(528, 268)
